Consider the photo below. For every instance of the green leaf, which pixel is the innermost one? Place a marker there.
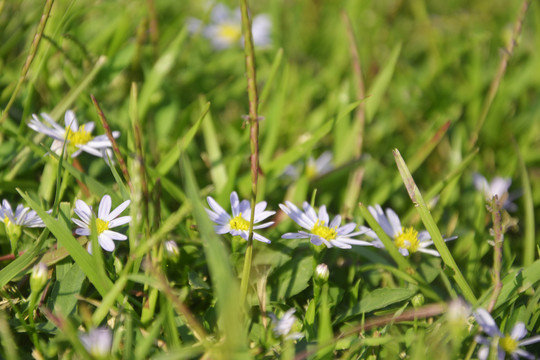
(378, 299)
(292, 278)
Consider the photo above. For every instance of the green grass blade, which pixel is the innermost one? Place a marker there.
(224, 282)
(429, 223)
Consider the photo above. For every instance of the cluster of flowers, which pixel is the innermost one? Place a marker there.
(72, 139)
(105, 221)
(318, 227)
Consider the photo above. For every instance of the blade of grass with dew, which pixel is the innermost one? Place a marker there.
(96, 276)
(381, 83)
(431, 227)
(224, 282)
(171, 159)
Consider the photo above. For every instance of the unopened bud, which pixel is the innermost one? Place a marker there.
(322, 273)
(418, 300)
(39, 277)
(171, 248)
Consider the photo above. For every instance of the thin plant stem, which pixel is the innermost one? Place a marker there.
(501, 69)
(253, 119)
(33, 50)
(115, 147)
(494, 207)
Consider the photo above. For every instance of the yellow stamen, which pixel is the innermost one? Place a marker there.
(311, 170)
(79, 137)
(323, 231)
(101, 225)
(407, 239)
(230, 32)
(6, 221)
(508, 344)
(239, 223)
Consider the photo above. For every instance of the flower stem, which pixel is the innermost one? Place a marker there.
(254, 138)
(494, 207)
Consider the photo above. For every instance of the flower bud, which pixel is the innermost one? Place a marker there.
(39, 277)
(417, 300)
(171, 249)
(322, 273)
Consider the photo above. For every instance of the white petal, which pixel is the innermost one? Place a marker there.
(104, 207)
(519, 331)
(114, 235)
(394, 221)
(261, 238)
(294, 236)
(340, 244)
(118, 210)
(106, 242)
(429, 251)
(484, 319)
(310, 212)
(119, 221)
(336, 222)
(345, 229)
(323, 215)
(82, 232)
(83, 211)
(215, 206)
(264, 225)
(235, 204)
(71, 121)
(79, 223)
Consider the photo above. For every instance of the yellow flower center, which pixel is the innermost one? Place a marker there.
(6, 221)
(79, 137)
(230, 32)
(311, 171)
(101, 225)
(508, 344)
(323, 231)
(239, 223)
(407, 239)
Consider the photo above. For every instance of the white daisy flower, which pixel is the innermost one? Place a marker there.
(498, 186)
(98, 342)
(14, 222)
(238, 223)
(318, 231)
(283, 326)
(313, 168)
(77, 138)
(508, 343)
(225, 28)
(408, 240)
(23, 216)
(105, 220)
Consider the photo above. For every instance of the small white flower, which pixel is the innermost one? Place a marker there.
(23, 216)
(498, 186)
(508, 344)
(318, 232)
(105, 220)
(97, 342)
(313, 168)
(408, 240)
(77, 138)
(225, 28)
(284, 325)
(172, 249)
(238, 223)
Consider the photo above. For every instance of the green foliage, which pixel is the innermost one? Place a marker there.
(428, 71)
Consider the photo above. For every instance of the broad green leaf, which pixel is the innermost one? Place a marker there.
(378, 299)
